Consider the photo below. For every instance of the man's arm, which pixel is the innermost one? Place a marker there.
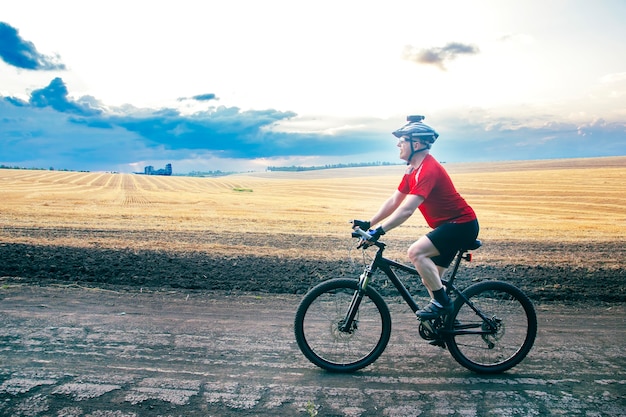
(402, 212)
(388, 207)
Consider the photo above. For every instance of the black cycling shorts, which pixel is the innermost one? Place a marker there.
(450, 237)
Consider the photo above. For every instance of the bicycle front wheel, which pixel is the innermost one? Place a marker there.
(321, 335)
(502, 337)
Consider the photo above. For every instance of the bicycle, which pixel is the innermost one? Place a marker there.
(343, 325)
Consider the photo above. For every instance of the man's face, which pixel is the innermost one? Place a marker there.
(405, 148)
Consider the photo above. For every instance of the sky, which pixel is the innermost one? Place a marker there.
(241, 85)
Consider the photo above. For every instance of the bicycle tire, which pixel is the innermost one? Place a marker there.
(516, 329)
(317, 321)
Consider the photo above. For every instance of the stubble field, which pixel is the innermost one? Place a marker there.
(554, 228)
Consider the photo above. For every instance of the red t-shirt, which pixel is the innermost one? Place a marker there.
(442, 203)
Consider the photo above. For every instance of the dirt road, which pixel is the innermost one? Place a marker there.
(71, 351)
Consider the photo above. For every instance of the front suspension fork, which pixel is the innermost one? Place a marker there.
(347, 324)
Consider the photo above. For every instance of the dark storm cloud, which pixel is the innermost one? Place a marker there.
(439, 56)
(81, 134)
(205, 97)
(20, 53)
(42, 137)
(229, 131)
(225, 131)
(15, 101)
(55, 95)
(232, 133)
(200, 97)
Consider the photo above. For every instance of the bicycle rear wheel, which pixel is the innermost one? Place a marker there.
(319, 319)
(502, 340)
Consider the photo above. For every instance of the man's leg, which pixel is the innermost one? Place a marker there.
(420, 254)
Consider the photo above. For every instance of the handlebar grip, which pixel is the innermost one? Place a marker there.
(361, 233)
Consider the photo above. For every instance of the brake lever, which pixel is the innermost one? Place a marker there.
(365, 238)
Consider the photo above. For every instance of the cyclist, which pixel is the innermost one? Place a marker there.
(427, 186)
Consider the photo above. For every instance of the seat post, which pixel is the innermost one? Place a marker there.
(457, 262)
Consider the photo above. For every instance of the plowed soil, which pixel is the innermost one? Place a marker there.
(291, 264)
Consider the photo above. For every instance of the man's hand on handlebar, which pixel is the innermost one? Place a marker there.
(367, 237)
(361, 224)
(375, 234)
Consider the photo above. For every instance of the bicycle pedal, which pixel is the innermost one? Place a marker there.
(438, 342)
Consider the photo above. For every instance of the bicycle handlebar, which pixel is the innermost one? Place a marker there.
(366, 239)
(361, 233)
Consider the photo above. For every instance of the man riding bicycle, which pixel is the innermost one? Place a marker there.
(427, 186)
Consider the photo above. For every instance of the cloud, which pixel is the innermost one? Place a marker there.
(608, 136)
(42, 137)
(505, 138)
(53, 129)
(51, 121)
(19, 53)
(55, 95)
(200, 97)
(520, 38)
(613, 78)
(229, 131)
(439, 56)
(205, 97)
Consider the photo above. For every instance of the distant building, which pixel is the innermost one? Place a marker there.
(149, 170)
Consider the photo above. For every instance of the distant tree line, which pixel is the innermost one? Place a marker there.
(331, 166)
(2, 166)
(168, 171)
(217, 173)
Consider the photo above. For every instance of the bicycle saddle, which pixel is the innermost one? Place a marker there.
(477, 244)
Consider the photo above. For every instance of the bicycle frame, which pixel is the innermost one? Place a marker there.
(387, 265)
(343, 324)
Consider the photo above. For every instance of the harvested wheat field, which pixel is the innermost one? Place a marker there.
(554, 228)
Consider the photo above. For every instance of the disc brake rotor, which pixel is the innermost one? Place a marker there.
(495, 335)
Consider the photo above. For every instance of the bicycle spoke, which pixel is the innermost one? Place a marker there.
(502, 341)
(320, 332)
(322, 322)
